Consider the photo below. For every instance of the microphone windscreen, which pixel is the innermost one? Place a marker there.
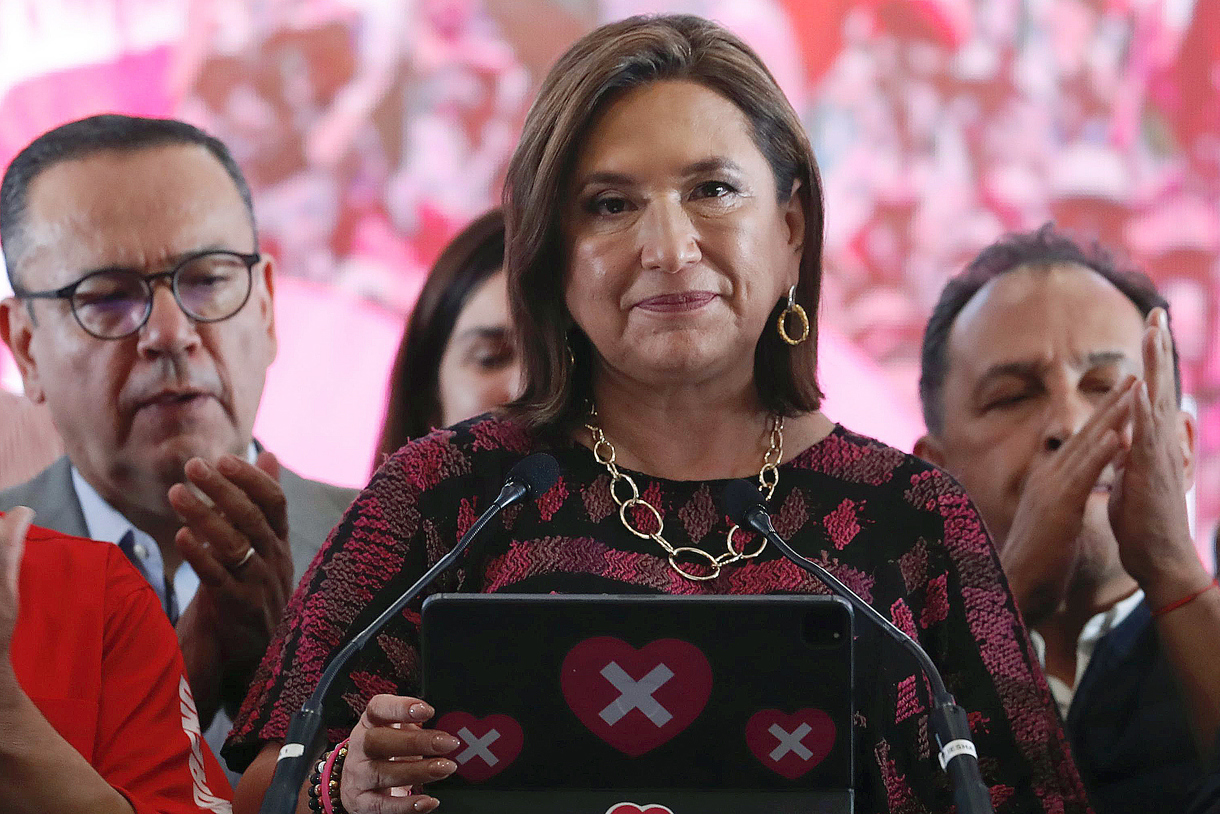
(537, 472)
(738, 498)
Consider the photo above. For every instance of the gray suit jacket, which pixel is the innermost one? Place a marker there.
(314, 508)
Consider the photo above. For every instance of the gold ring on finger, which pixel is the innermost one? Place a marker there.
(245, 558)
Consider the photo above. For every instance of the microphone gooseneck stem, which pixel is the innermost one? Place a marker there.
(832, 582)
(947, 720)
(305, 732)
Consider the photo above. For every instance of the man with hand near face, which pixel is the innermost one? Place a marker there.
(1050, 390)
(143, 318)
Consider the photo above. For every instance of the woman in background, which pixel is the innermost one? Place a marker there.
(456, 359)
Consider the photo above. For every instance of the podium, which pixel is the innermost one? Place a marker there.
(643, 704)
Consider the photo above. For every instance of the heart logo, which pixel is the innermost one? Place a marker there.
(632, 808)
(636, 700)
(790, 745)
(489, 745)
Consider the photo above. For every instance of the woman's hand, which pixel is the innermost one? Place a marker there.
(388, 752)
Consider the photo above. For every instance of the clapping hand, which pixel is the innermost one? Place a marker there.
(13, 528)
(237, 541)
(1041, 551)
(1148, 502)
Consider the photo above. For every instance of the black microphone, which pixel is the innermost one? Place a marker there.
(533, 475)
(746, 507)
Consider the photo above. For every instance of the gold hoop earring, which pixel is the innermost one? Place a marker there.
(796, 311)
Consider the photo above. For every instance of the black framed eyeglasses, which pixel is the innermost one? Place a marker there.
(115, 303)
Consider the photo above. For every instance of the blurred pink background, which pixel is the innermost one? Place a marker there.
(372, 130)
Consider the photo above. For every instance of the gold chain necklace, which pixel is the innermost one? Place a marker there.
(768, 479)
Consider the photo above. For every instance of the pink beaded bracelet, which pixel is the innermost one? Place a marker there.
(330, 785)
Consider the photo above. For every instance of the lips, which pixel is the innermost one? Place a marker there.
(172, 398)
(676, 303)
(173, 404)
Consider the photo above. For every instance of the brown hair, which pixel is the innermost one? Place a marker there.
(414, 404)
(593, 73)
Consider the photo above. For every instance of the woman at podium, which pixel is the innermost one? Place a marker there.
(664, 260)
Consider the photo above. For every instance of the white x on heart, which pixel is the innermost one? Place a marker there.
(790, 741)
(478, 746)
(636, 694)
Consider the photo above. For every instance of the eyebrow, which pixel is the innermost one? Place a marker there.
(170, 262)
(482, 332)
(706, 165)
(1105, 357)
(1030, 370)
(714, 164)
(1016, 370)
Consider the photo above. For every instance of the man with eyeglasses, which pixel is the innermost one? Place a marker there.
(142, 316)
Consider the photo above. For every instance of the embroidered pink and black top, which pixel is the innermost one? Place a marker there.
(899, 532)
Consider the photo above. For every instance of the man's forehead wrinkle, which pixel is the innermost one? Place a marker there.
(85, 239)
(44, 242)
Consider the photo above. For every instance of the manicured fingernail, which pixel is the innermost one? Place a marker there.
(420, 712)
(443, 742)
(443, 768)
(426, 804)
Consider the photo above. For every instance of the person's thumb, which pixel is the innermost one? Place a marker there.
(13, 527)
(267, 462)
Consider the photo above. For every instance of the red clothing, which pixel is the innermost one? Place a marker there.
(97, 656)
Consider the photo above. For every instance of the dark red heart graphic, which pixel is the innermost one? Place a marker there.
(790, 745)
(489, 745)
(636, 700)
(632, 808)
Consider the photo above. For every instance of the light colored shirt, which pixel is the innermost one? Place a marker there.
(107, 524)
(1092, 633)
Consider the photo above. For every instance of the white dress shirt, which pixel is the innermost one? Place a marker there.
(107, 524)
(1092, 632)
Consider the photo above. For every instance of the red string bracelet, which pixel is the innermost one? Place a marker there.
(1186, 600)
